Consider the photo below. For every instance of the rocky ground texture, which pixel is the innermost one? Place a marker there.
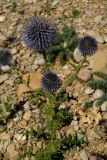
(91, 19)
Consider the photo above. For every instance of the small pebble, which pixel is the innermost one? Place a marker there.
(89, 90)
(5, 68)
(77, 55)
(84, 74)
(104, 107)
(2, 18)
(84, 155)
(27, 115)
(105, 38)
(16, 118)
(3, 78)
(98, 94)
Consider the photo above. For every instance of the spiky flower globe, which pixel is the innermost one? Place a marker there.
(38, 34)
(87, 45)
(5, 57)
(50, 81)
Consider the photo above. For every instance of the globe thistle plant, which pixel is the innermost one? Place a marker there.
(5, 57)
(87, 45)
(50, 81)
(38, 34)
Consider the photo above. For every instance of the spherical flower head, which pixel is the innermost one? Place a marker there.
(5, 57)
(38, 34)
(50, 81)
(87, 45)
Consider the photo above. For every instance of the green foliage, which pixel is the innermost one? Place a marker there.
(63, 45)
(75, 12)
(54, 119)
(100, 83)
(5, 107)
(101, 100)
(101, 75)
(88, 104)
(55, 149)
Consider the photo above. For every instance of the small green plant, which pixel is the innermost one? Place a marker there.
(75, 13)
(88, 104)
(54, 119)
(5, 108)
(63, 46)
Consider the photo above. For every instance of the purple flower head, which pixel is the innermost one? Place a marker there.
(5, 57)
(87, 45)
(50, 81)
(38, 34)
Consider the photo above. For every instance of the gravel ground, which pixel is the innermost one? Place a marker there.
(92, 19)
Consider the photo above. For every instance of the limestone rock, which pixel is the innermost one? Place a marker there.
(77, 55)
(22, 88)
(84, 74)
(3, 78)
(98, 61)
(34, 80)
(2, 18)
(104, 107)
(83, 155)
(5, 68)
(89, 90)
(96, 35)
(98, 18)
(12, 151)
(27, 115)
(3, 43)
(98, 94)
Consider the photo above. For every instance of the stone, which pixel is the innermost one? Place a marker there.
(22, 88)
(20, 137)
(55, 2)
(93, 158)
(105, 38)
(26, 105)
(3, 78)
(77, 55)
(84, 155)
(104, 114)
(3, 43)
(5, 68)
(98, 18)
(62, 106)
(101, 58)
(98, 94)
(99, 38)
(27, 115)
(41, 61)
(92, 133)
(84, 74)
(2, 37)
(33, 79)
(12, 152)
(16, 118)
(104, 107)
(2, 18)
(5, 136)
(67, 69)
(14, 51)
(1, 146)
(89, 90)
(39, 144)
